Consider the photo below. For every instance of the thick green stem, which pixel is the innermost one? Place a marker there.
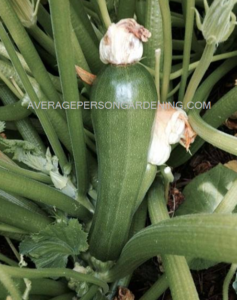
(41, 193)
(25, 172)
(9, 284)
(154, 23)
(211, 135)
(187, 45)
(11, 229)
(126, 9)
(4, 53)
(227, 281)
(167, 48)
(56, 117)
(28, 50)
(60, 15)
(7, 260)
(68, 296)
(157, 289)
(199, 73)
(10, 212)
(53, 272)
(214, 116)
(85, 35)
(42, 287)
(91, 293)
(26, 129)
(176, 267)
(229, 202)
(194, 65)
(42, 114)
(44, 20)
(138, 223)
(196, 235)
(104, 12)
(43, 39)
(13, 112)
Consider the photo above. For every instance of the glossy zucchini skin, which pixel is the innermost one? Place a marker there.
(122, 140)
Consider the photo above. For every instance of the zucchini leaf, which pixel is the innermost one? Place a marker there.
(202, 195)
(53, 245)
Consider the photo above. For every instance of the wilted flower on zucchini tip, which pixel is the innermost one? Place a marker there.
(219, 21)
(170, 126)
(26, 11)
(113, 51)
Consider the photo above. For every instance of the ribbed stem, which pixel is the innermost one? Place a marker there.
(91, 293)
(43, 39)
(167, 48)
(189, 12)
(229, 202)
(154, 23)
(214, 116)
(53, 272)
(10, 212)
(199, 73)
(176, 267)
(60, 15)
(126, 9)
(42, 193)
(42, 114)
(211, 135)
(9, 284)
(26, 129)
(27, 49)
(104, 12)
(197, 235)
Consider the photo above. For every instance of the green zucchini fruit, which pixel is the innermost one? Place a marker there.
(122, 139)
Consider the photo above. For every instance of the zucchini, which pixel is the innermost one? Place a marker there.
(122, 139)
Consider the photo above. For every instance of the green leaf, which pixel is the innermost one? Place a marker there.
(204, 193)
(53, 245)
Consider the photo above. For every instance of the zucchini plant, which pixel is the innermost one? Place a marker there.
(87, 162)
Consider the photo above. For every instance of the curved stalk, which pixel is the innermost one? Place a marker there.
(215, 116)
(213, 136)
(91, 293)
(227, 281)
(199, 73)
(196, 235)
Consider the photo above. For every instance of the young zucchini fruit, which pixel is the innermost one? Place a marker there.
(122, 116)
